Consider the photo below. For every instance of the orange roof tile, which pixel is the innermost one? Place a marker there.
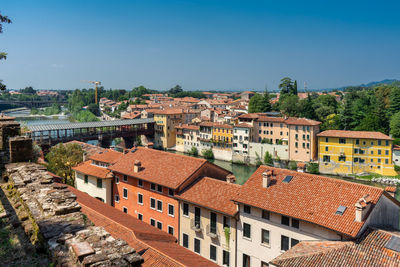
(170, 111)
(213, 194)
(188, 126)
(88, 168)
(301, 121)
(354, 134)
(308, 197)
(108, 156)
(243, 125)
(159, 167)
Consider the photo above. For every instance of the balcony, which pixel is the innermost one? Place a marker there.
(196, 225)
(212, 231)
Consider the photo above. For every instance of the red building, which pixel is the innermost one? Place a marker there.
(146, 181)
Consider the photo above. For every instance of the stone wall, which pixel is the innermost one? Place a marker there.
(8, 129)
(20, 148)
(62, 228)
(275, 150)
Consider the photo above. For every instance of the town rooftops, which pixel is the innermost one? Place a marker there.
(188, 126)
(213, 194)
(288, 120)
(243, 125)
(309, 197)
(159, 167)
(215, 124)
(169, 111)
(108, 156)
(87, 148)
(354, 134)
(371, 249)
(157, 247)
(88, 168)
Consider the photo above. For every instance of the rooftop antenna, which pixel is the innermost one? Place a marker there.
(305, 87)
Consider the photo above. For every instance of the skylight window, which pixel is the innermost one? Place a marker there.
(287, 179)
(341, 210)
(393, 244)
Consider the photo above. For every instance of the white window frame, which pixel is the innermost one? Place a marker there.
(155, 187)
(161, 225)
(115, 198)
(123, 207)
(140, 203)
(140, 214)
(183, 214)
(139, 184)
(155, 222)
(162, 204)
(123, 190)
(155, 201)
(173, 229)
(172, 215)
(116, 180)
(123, 178)
(161, 188)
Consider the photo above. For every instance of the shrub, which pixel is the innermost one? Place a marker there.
(193, 151)
(293, 165)
(313, 168)
(397, 168)
(268, 158)
(208, 154)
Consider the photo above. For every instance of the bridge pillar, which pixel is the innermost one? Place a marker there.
(129, 141)
(105, 142)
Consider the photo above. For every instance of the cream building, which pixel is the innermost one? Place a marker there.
(280, 208)
(207, 220)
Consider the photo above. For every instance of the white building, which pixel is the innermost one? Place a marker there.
(279, 208)
(242, 134)
(93, 177)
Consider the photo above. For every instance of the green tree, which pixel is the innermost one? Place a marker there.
(260, 103)
(208, 153)
(175, 90)
(395, 125)
(346, 116)
(28, 90)
(286, 86)
(268, 158)
(293, 165)
(294, 88)
(289, 105)
(194, 151)
(3, 55)
(306, 108)
(94, 108)
(61, 158)
(394, 100)
(331, 122)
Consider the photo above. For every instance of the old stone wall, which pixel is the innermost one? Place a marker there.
(8, 129)
(20, 148)
(59, 225)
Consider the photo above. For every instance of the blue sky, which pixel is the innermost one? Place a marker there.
(201, 45)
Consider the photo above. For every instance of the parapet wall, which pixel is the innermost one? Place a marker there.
(59, 225)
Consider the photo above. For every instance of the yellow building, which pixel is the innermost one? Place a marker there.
(165, 122)
(222, 133)
(355, 152)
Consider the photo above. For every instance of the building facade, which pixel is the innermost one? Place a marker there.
(355, 152)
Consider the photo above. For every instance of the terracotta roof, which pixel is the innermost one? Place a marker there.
(309, 198)
(213, 194)
(248, 92)
(159, 167)
(88, 168)
(249, 116)
(243, 125)
(273, 119)
(131, 115)
(355, 134)
(391, 189)
(108, 156)
(87, 148)
(301, 121)
(188, 126)
(396, 147)
(157, 247)
(368, 250)
(170, 111)
(215, 124)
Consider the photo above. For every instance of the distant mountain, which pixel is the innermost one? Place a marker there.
(386, 81)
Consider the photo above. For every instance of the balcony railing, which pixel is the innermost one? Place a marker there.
(196, 225)
(212, 231)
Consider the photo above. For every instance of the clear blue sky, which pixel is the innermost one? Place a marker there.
(199, 44)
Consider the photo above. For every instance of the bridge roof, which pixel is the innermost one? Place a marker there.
(78, 125)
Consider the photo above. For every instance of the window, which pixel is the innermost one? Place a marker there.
(159, 188)
(296, 144)
(152, 203)
(342, 141)
(355, 159)
(379, 152)
(304, 145)
(197, 245)
(153, 186)
(264, 264)
(125, 209)
(285, 220)
(225, 258)
(185, 209)
(326, 139)
(227, 222)
(140, 199)
(342, 158)
(185, 240)
(284, 243)
(357, 141)
(140, 216)
(99, 183)
(387, 142)
(86, 179)
(125, 179)
(247, 230)
(386, 152)
(116, 198)
(295, 223)
(213, 252)
(140, 182)
(246, 260)
(265, 214)
(170, 192)
(386, 161)
(159, 225)
(159, 205)
(379, 160)
(170, 230)
(153, 222)
(326, 158)
(116, 179)
(213, 222)
(125, 193)
(379, 142)
(293, 242)
(171, 210)
(264, 237)
(355, 150)
(247, 209)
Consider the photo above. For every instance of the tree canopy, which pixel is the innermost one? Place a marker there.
(3, 55)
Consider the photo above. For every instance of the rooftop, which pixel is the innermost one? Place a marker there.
(354, 134)
(309, 197)
(369, 250)
(108, 156)
(213, 194)
(159, 167)
(88, 168)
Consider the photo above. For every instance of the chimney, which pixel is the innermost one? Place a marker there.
(363, 205)
(137, 166)
(266, 178)
(150, 145)
(231, 178)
